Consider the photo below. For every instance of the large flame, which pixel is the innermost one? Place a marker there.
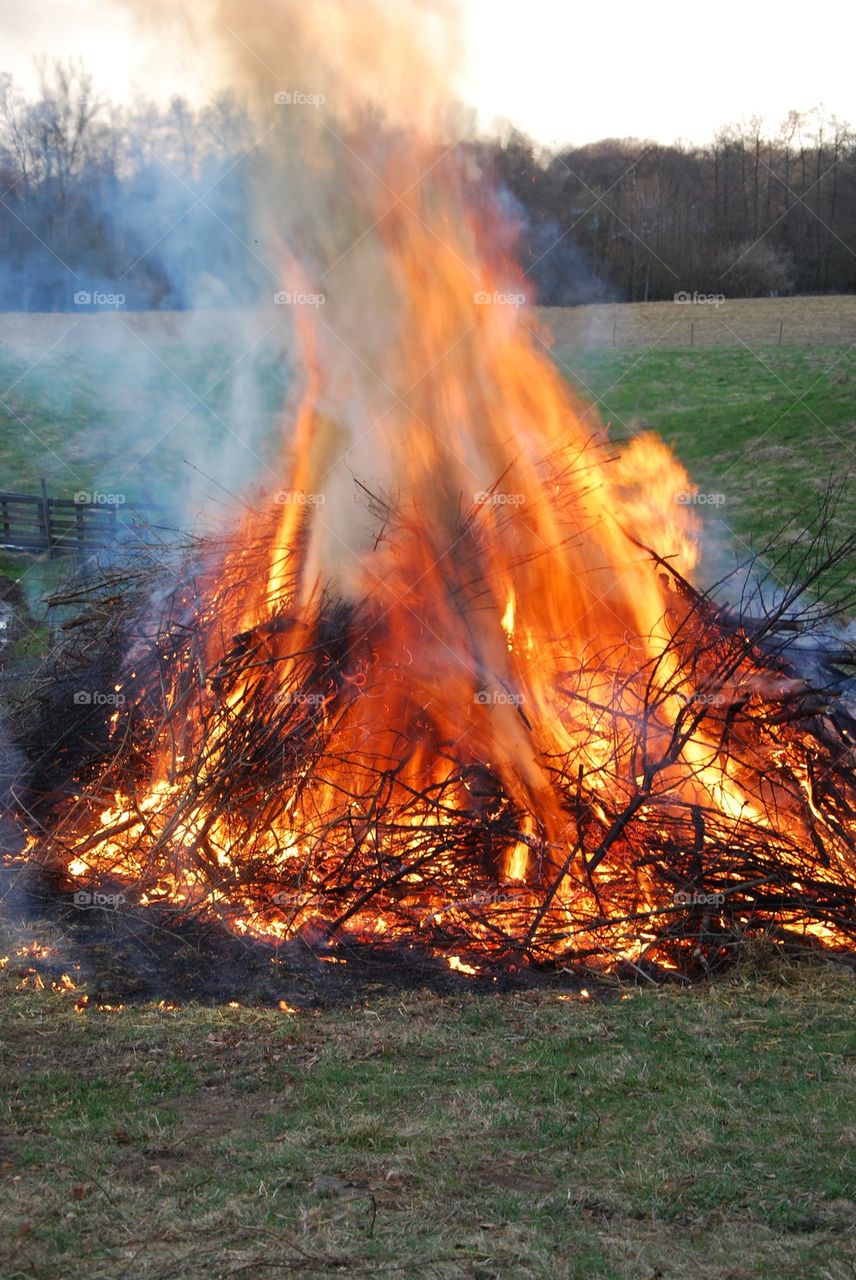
(459, 592)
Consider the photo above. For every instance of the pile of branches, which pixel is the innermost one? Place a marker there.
(258, 757)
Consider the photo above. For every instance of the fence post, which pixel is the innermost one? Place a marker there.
(46, 519)
(781, 327)
(80, 530)
(692, 333)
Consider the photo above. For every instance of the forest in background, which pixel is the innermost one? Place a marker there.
(154, 204)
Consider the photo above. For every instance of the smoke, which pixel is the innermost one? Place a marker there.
(334, 90)
(395, 262)
(396, 58)
(323, 120)
(109, 214)
(225, 212)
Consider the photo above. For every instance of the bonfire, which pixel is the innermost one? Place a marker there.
(450, 684)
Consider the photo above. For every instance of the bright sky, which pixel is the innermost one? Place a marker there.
(560, 69)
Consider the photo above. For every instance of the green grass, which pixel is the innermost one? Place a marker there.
(767, 429)
(179, 423)
(125, 421)
(768, 426)
(667, 1133)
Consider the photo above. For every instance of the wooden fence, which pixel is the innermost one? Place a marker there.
(78, 526)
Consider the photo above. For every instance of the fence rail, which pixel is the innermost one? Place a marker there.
(39, 524)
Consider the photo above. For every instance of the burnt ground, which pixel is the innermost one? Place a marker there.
(133, 953)
(129, 954)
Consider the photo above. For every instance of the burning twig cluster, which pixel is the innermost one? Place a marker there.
(239, 778)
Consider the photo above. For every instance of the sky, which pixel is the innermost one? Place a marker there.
(561, 70)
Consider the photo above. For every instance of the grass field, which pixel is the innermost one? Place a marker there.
(125, 404)
(185, 406)
(767, 431)
(662, 1133)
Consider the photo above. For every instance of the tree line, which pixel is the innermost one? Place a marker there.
(146, 203)
(152, 203)
(751, 213)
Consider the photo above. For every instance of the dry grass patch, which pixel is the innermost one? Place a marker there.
(662, 1132)
(797, 322)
